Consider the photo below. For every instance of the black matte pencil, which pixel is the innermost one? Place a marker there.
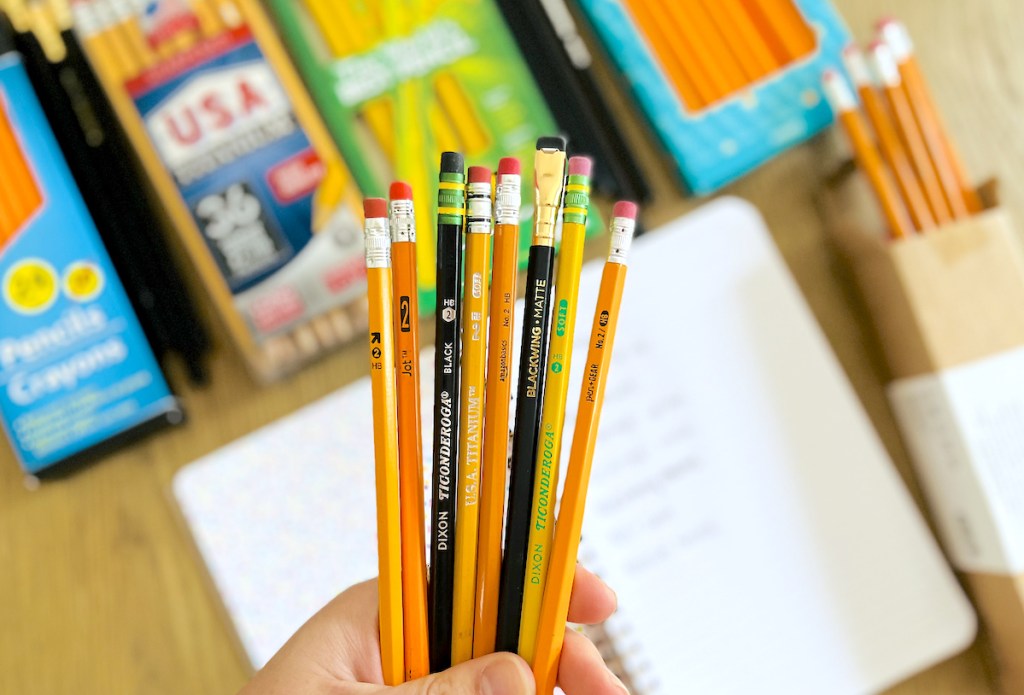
(451, 214)
(549, 185)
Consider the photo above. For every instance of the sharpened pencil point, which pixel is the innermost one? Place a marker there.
(452, 163)
(625, 208)
(375, 207)
(509, 165)
(580, 166)
(400, 190)
(551, 142)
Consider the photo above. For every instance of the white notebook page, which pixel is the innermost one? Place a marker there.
(742, 507)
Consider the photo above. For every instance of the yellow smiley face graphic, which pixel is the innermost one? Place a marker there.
(83, 281)
(30, 286)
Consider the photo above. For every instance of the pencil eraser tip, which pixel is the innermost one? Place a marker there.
(551, 142)
(452, 163)
(580, 166)
(625, 208)
(375, 207)
(400, 190)
(509, 165)
(479, 175)
(886, 21)
(851, 49)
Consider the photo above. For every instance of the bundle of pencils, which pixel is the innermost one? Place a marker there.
(711, 49)
(906, 153)
(483, 595)
(99, 156)
(243, 165)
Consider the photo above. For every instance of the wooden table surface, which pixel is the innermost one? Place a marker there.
(100, 590)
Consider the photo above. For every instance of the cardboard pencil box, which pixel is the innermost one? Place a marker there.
(728, 125)
(76, 373)
(398, 86)
(262, 203)
(948, 308)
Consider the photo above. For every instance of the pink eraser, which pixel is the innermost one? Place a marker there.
(509, 165)
(479, 175)
(625, 208)
(580, 166)
(400, 190)
(885, 21)
(375, 207)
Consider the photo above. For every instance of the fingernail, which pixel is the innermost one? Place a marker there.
(504, 677)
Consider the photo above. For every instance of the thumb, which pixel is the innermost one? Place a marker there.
(496, 674)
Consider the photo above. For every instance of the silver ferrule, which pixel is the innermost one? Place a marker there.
(378, 243)
(508, 199)
(622, 239)
(478, 208)
(403, 221)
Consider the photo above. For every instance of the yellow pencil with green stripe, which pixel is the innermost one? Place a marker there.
(567, 286)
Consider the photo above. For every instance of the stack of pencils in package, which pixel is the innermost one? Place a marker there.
(944, 289)
(918, 178)
(243, 165)
(100, 159)
(483, 596)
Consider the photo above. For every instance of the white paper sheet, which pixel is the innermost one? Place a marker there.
(742, 506)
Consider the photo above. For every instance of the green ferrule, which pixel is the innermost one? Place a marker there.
(575, 201)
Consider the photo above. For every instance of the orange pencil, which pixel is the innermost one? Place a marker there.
(889, 140)
(558, 587)
(845, 106)
(929, 119)
(410, 430)
(677, 59)
(507, 202)
(715, 47)
(379, 295)
(743, 37)
(884, 68)
(790, 26)
(21, 196)
(471, 408)
(704, 57)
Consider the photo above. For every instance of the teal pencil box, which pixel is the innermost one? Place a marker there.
(726, 85)
(76, 372)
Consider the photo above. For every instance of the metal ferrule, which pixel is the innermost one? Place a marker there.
(622, 230)
(378, 243)
(403, 221)
(478, 208)
(508, 199)
(549, 173)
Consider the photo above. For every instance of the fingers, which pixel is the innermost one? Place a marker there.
(592, 601)
(581, 670)
(497, 674)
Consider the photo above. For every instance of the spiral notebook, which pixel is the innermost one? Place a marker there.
(756, 533)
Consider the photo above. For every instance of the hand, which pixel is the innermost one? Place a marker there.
(338, 653)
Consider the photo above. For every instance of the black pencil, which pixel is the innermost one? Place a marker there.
(549, 183)
(451, 214)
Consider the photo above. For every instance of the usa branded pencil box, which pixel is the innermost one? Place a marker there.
(399, 86)
(261, 200)
(731, 126)
(76, 372)
(947, 311)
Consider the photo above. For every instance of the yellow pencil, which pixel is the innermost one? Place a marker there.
(471, 418)
(558, 588)
(567, 286)
(385, 438)
(507, 202)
